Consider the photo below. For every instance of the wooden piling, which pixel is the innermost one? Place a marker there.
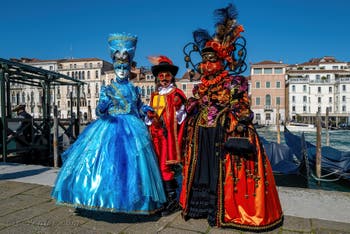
(326, 126)
(278, 125)
(318, 146)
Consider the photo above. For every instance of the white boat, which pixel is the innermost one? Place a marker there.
(301, 127)
(294, 127)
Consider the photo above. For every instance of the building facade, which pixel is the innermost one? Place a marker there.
(267, 91)
(318, 85)
(94, 72)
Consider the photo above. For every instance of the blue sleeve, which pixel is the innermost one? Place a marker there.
(104, 102)
(142, 108)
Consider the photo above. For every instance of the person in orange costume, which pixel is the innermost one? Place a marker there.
(166, 125)
(227, 177)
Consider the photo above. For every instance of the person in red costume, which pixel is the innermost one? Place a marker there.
(166, 123)
(227, 177)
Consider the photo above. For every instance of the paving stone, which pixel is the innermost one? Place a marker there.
(318, 224)
(41, 191)
(199, 225)
(171, 230)
(10, 189)
(215, 230)
(296, 224)
(25, 214)
(18, 203)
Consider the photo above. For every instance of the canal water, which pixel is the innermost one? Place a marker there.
(338, 139)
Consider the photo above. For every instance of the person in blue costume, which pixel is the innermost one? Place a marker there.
(112, 165)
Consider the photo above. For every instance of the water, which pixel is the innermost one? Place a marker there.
(339, 139)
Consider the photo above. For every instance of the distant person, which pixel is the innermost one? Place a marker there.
(112, 165)
(166, 124)
(25, 127)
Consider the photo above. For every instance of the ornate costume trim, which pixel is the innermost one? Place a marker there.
(216, 80)
(125, 103)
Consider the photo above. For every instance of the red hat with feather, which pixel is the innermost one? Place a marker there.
(162, 64)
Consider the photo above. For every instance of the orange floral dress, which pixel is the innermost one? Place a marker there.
(230, 187)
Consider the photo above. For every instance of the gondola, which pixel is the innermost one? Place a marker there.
(290, 166)
(335, 164)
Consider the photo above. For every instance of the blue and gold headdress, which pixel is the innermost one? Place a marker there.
(122, 47)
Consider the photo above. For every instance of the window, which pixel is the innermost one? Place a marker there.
(304, 88)
(278, 70)
(344, 87)
(90, 65)
(293, 98)
(268, 100)
(51, 68)
(96, 74)
(304, 99)
(319, 100)
(343, 98)
(268, 116)
(257, 101)
(330, 89)
(268, 71)
(257, 116)
(330, 99)
(319, 89)
(329, 109)
(184, 87)
(293, 108)
(278, 84)
(268, 84)
(304, 108)
(96, 88)
(293, 88)
(88, 74)
(75, 66)
(257, 71)
(278, 100)
(343, 108)
(257, 85)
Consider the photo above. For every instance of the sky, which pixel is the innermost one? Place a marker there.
(291, 31)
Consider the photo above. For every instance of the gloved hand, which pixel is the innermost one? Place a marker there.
(146, 108)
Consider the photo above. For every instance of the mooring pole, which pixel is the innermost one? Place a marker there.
(326, 123)
(318, 146)
(278, 125)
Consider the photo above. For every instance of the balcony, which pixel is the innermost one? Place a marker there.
(268, 108)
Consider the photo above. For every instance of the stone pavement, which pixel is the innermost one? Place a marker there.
(26, 207)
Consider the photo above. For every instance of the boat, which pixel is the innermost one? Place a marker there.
(300, 127)
(294, 127)
(335, 164)
(290, 168)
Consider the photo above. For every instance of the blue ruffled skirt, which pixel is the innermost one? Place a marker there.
(111, 167)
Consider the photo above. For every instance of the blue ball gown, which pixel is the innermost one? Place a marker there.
(112, 165)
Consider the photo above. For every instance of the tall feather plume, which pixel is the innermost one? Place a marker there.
(153, 59)
(225, 21)
(201, 36)
(156, 60)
